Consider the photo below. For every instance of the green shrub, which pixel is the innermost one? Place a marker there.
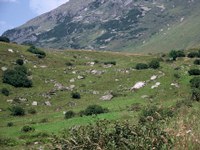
(184, 102)
(194, 72)
(174, 54)
(76, 95)
(69, 63)
(34, 50)
(27, 129)
(94, 110)
(44, 120)
(197, 62)
(17, 111)
(193, 54)
(32, 111)
(195, 82)
(69, 114)
(4, 141)
(4, 39)
(5, 91)
(177, 76)
(154, 64)
(154, 114)
(196, 94)
(110, 62)
(20, 62)
(113, 136)
(17, 77)
(10, 124)
(141, 66)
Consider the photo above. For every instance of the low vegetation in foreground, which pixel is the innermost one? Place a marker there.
(98, 100)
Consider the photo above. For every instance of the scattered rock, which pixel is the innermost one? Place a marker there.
(60, 87)
(175, 84)
(34, 66)
(138, 85)
(21, 99)
(144, 96)
(10, 100)
(71, 104)
(107, 97)
(107, 66)
(0, 110)
(34, 103)
(74, 72)
(80, 77)
(154, 77)
(97, 72)
(4, 68)
(156, 85)
(116, 80)
(95, 92)
(72, 80)
(90, 64)
(47, 103)
(10, 50)
(43, 66)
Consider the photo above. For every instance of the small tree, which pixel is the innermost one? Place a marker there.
(17, 111)
(27, 129)
(174, 54)
(154, 64)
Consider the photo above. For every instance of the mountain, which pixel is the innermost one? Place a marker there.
(117, 25)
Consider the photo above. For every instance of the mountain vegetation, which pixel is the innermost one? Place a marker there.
(98, 100)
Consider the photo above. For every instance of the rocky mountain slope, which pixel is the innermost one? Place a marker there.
(118, 25)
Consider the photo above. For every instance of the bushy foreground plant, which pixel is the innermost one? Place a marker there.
(69, 114)
(108, 135)
(154, 64)
(197, 62)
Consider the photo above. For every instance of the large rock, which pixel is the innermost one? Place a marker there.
(34, 103)
(4, 68)
(107, 97)
(138, 85)
(47, 103)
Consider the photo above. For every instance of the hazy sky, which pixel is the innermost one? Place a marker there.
(14, 13)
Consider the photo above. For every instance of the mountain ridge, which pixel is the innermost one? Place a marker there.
(112, 25)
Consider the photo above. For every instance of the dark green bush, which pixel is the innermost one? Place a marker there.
(20, 62)
(76, 95)
(154, 64)
(17, 111)
(69, 114)
(34, 50)
(194, 72)
(17, 77)
(10, 124)
(94, 110)
(177, 76)
(32, 111)
(174, 54)
(141, 66)
(5, 91)
(4, 39)
(195, 82)
(69, 63)
(110, 62)
(196, 94)
(193, 54)
(197, 62)
(27, 129)
(44, 120)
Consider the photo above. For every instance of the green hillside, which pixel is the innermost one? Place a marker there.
(94, 74)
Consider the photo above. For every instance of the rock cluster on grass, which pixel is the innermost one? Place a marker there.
(157, 84)
(138, 85)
